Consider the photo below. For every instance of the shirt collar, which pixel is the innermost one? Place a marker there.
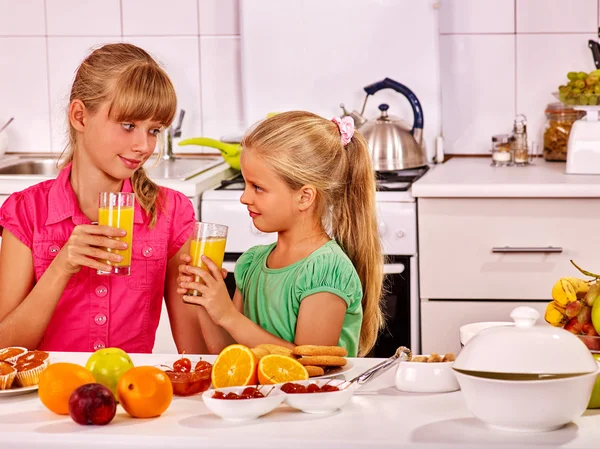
(62, 202)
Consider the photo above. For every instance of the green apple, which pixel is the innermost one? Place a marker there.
(595, 398)
(108, 365)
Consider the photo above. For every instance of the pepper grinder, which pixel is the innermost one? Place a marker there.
(520, 150)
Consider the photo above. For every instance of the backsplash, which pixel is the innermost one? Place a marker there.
(43, 41)
(500, 58)
(497, 58)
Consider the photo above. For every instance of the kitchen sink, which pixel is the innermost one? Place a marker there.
(178, 168)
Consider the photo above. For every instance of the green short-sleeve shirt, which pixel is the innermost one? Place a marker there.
(272, 297)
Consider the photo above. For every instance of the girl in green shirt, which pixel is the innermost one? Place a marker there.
(310, 180)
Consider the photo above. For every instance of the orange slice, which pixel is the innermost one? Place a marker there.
(235, 366)
(275, 369)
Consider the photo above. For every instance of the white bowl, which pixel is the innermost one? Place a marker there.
(243, 409)
(325, 402)
(468, 331)
(527, 405)
(423, 377)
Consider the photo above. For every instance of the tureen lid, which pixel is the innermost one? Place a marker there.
(526, 348)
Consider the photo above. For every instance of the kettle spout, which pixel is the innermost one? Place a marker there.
(359, 120)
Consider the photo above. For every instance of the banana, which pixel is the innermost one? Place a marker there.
(563, 292)
(555, 315)
(581, 286)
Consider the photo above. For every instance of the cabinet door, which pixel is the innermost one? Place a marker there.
(441, 320)
(465, 246)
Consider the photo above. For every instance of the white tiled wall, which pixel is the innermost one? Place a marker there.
(503, 57)
(498, 58)
(42, 43)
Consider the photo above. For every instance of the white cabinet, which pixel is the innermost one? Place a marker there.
(466, 244)
(482, 257)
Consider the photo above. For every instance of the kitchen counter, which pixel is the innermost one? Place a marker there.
(378, 416)
(474, 177)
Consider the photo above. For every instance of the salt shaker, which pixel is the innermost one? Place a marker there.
(502, 150)
(520, 149)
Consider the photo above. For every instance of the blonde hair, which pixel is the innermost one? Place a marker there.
(304, 148)
(137, 89)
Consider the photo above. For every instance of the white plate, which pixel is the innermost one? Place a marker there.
(17, 391)
(335, 371)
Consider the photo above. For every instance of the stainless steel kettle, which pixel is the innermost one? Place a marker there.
(392, 144)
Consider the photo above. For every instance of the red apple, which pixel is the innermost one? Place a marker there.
(92, 404)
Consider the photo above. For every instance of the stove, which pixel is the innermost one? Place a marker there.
(397, 219)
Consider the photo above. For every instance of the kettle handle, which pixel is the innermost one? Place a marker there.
(389, 83)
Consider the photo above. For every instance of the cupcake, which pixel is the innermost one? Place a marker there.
(7, 375)
(30, 366)
(11, 354)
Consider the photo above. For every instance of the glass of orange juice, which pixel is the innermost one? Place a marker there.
(208, 239)
(116, 209)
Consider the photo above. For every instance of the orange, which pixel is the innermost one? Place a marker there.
(58, 381)
(275, 369)
(235, 366)
(145, 391)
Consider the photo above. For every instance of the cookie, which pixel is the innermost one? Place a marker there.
(313, 350)
(260, 352)
(276, 349)
(314, 371)
(322, 360)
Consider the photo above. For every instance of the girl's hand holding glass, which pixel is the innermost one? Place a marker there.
(214, 296)
(87, 246)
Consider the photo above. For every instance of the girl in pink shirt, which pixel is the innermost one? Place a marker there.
(51, 296)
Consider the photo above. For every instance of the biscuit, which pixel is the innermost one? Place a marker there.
(434, 357)
(310, 350)
(322, 360)
(449, 357)
(314, 371)
(260, 352)
(419, 358)
(276, 349)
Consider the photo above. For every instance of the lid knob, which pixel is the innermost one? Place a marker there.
(525, 316)
(384, 107)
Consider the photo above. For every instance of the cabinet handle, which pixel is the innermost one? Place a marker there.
(527, 249)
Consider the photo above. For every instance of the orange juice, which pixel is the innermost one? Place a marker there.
(211, 247)
(122, 218)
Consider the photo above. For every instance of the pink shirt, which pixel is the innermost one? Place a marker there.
(98, 311)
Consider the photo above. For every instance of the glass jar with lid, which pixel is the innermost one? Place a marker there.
(502, 150)
(559, 119)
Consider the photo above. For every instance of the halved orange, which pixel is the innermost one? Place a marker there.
(235, 366)
(275, 369)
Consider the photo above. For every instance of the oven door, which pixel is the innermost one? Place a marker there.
(396, 305)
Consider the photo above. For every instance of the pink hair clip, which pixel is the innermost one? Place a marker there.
(346, 126)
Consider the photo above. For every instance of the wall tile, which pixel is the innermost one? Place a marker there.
(539, 77)
(557, 16)
(22, 18)
(477, 16)
(25, 93)
(221, 86)
(65, 54)
(155, 17)
(478, 90)
(180, 58)
(219, 17)
(83, 17)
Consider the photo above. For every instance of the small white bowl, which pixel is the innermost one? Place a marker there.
(423, 377)
(325, 402)
(243, 409)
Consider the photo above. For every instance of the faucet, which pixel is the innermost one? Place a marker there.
(171, 134)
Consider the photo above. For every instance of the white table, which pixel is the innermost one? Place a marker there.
(378, 416)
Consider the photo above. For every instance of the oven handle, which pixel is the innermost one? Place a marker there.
(393, 268)
(527, 249)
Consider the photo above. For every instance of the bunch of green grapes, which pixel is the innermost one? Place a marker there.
(582, 88)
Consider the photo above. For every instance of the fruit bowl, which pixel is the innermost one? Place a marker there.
(323, 401)
(240, 409)
(592, 342)
(189, 384)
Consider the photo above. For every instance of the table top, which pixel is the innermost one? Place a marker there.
(378, 416)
